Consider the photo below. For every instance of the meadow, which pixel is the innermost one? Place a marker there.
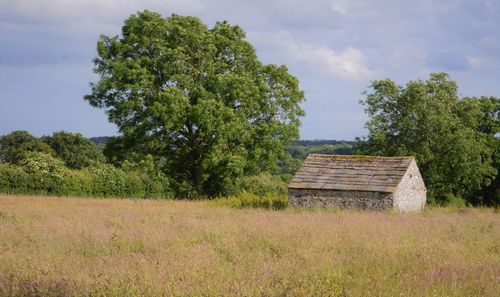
(52, 246)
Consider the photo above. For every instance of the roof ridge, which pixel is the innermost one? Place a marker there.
(359, 156)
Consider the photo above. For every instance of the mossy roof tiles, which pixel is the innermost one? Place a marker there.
(351, 173)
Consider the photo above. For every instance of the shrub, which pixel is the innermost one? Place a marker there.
(44, 175)
(107, 180)
(264, 184)
(77, 183)
(245, 199)
(46, 172)
(453, 201)
(134, 186)
(156, 185)
(14, 180)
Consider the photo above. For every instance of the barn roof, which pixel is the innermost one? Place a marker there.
(351, 173)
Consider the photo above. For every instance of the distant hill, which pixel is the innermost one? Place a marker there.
(100, 139)
(323, 142)
(315, 142)
(298, 149)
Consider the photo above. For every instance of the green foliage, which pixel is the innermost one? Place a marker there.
(14, 180)
(44, 175)
(74, 149)
(156, 185)
(100, 140)
(291, 160)
(452, 139)
(46, 172)
(287, 165)
(147, 177)
(264, 184)
(117, 151)
(453, 201)
(16, 145)
(301, 149)
(249, 200)
(483, 114)
(77, 183)
(195, 98)
(490, 195)
(107, 180)
(41, 173)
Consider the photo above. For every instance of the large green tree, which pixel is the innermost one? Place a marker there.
(483, 114)
(196, 98)
(451, 138)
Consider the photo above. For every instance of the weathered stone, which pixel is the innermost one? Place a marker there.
(358, 182)
(341, 199)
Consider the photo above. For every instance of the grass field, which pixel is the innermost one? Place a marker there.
(74, 247)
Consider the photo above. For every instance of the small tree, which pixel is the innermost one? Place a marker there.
(74, 149)
(197, 99)
(15, 146)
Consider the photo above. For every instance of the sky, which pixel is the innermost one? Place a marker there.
(334, 47)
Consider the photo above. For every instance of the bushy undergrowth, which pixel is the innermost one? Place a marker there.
(44, 175)
(245, 199)
(451, 200)
(264, 184)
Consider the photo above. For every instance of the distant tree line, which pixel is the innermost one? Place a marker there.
(317, 142)
(100, 139)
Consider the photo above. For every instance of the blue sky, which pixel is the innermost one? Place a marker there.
(334, 47)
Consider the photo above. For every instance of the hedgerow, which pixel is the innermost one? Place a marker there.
(41, 174)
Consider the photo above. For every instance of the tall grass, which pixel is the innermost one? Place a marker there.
(94, 247)
(245, 199)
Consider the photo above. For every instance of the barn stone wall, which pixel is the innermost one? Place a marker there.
(410, 194)
(341, 199)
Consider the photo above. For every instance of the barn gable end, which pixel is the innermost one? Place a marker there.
(366, 182)
(410, 194)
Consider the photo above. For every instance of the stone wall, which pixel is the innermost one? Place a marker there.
(341, 199)
(410, 194)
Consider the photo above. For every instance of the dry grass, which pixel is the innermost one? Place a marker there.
(69, 246)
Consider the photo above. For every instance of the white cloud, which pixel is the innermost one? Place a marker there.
(476, 62)
(349, 64)
(56, 11)
(339, 6)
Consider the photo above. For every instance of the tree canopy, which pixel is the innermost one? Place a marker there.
(452, 138)
(195, 98)
(74, 149)
(15, 146)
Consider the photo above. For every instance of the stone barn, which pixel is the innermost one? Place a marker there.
(365, 182)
